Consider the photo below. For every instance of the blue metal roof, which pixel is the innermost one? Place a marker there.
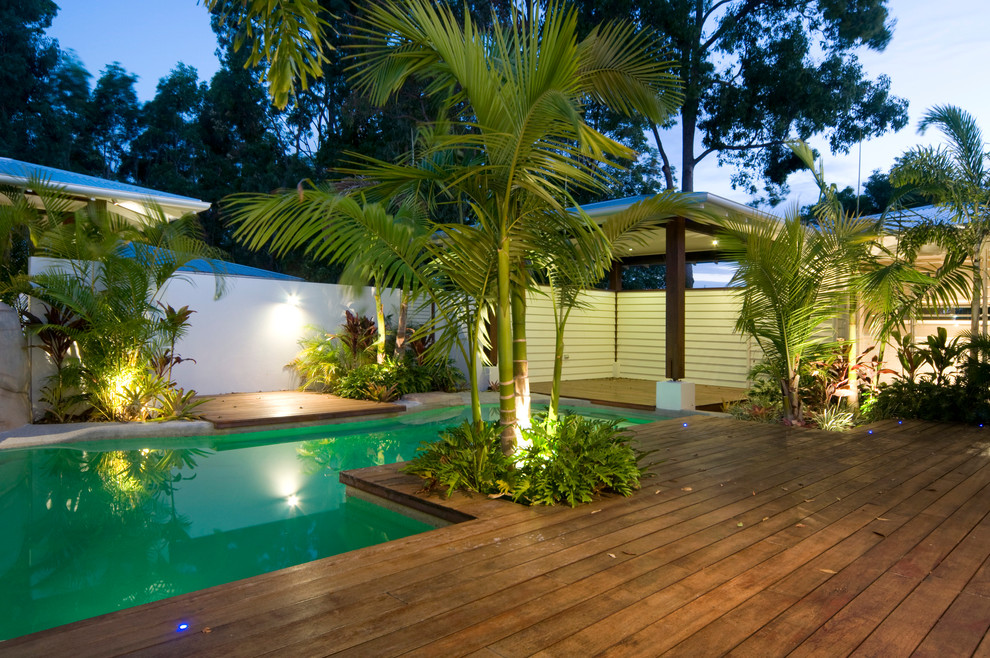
(234, 269)
(912, 216)
(213, 265)
(16, 169)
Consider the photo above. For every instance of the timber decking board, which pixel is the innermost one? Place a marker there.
(637, 393)
(750, 538)
(274, 407)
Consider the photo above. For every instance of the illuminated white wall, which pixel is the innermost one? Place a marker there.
(242, 341)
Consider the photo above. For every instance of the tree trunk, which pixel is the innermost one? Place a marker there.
(380, 319)
(558, 370)
(473, 347)
(506, 388)
(400, 329)
(520, 361)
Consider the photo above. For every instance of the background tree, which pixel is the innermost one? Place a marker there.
(758, 73)
(112, 113)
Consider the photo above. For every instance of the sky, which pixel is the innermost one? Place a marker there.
(939, 55)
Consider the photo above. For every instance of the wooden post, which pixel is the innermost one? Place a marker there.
(615, 276)
(676, 270)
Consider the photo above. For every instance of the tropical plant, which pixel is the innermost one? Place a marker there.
(468, 456)
(319, 363)
(955, 176)
(794, 280)
(833, 418)
(573, 459)
(941, 354)
(523, 85)
(910, 357)
(102, 293)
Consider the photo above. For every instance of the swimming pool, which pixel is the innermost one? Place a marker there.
(88, 528)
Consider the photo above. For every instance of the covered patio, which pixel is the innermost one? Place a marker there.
(680, 336)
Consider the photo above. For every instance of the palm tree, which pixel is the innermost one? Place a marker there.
(523, 86)
(449, 265)
(955, 176)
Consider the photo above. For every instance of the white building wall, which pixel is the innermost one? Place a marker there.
(242, 341)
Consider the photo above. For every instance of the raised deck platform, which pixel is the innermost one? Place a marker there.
(274, 407)
(638, 393)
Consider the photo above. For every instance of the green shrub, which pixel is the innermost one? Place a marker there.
(573, 460)
(465, 457)
(319, 363)
(833, 418)
(570, 461)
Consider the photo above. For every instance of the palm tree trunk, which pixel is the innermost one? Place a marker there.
(380, 319)
(558, 369)
(520, 362)
(506, 388)
(975, 302)
(473, 351)
(400, 329)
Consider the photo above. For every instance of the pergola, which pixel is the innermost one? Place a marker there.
(676, 243)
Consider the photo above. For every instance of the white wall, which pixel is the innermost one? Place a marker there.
(714, 353)
(243, 341)
(623, 334)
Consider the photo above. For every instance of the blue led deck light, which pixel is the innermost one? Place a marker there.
(183, 626)
(684, 425)
(869, 431)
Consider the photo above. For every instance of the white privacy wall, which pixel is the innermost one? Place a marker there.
(589, 337)
(242, 341)
(714, 353)
(623, 334)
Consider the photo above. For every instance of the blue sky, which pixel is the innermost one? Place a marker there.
(939, 55)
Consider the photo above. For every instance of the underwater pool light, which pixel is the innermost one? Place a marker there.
(292, 500)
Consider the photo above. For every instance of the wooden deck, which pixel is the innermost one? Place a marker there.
(268, 408)
(751, 539)
(638, 393)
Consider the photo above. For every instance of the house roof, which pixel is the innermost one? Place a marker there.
(699, 236)
(216, 266)
(127, 197)
(911, 216)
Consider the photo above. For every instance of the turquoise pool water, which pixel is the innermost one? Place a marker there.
(89, 528)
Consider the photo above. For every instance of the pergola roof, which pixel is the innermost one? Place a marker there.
(698, 234)
(130, 200)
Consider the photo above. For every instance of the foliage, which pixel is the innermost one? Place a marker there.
(568, 460)
(833, 418)
(574, 459)
(319, 363)
(955, 176)
(952, 388)
(467, 457)
(763, 401)
(175, 403)
(762, 72)
(102, 299)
